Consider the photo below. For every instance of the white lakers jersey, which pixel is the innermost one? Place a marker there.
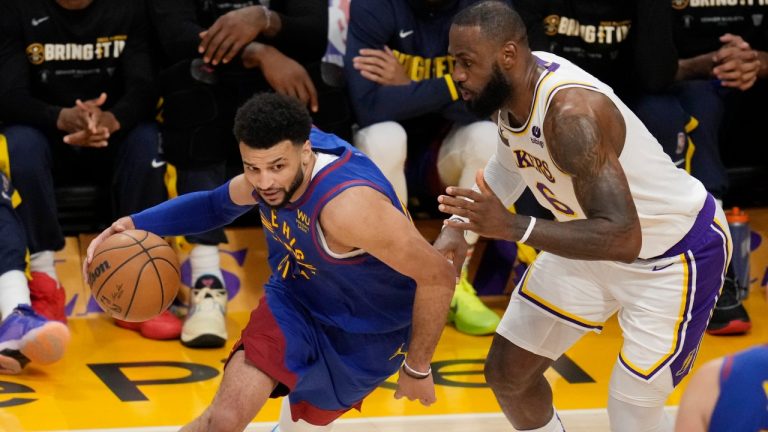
(666, 197)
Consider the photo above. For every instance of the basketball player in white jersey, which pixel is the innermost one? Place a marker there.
(633, 234)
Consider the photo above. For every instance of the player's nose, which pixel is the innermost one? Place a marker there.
(265, 181)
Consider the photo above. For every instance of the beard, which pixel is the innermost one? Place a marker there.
(492, 96)
(295, 184)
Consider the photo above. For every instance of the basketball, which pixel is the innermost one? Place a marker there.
(134, 275)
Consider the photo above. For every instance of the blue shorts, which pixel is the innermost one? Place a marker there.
(325, 370)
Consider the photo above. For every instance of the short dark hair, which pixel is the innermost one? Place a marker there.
(269, 118)
(496, 19)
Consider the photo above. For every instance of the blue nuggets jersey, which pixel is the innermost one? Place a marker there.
(743, 402)
(355, 292)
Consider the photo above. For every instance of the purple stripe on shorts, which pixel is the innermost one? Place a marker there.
(703, 221)
(679, 330)
(706, 266)
(710, 263)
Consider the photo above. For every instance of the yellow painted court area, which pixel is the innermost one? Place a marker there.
(113, 378)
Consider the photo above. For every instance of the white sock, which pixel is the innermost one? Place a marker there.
(554, 425)
(204, 259)
(14, 291)
(43, 262)
(286, 423)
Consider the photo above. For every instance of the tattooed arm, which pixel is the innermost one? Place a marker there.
(585, 133)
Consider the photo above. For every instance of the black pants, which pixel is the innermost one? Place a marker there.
(13, 246)
(130, 166)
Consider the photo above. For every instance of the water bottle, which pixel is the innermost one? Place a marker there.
(738, 223)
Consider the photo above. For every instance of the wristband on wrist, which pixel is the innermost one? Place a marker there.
(528, 230)
(413, 373)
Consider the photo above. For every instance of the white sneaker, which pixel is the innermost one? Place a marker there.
(205, 326)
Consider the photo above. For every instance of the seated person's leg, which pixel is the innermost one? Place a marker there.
(464, 151)
(31, 166)
(386, 144)
(197, 139)
(707, 104)
(24, 335)
(138, 184)
(669, 123)
(139, 170)
(742, 128)
(205, 325)
(704, 102)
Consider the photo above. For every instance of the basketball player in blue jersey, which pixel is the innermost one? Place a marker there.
(727, 395)
(350, 273)
(633, 234)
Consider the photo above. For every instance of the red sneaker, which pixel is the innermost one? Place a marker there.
(162, 327)
(48, 297)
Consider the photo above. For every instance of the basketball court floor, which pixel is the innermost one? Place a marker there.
(114, 380)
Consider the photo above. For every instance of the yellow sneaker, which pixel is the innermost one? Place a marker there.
(469, 313)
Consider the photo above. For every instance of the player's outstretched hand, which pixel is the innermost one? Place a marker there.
(422, 390)
(486, 214)
(120, 225)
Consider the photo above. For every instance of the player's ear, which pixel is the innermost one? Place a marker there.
(306, 152)
(508, 54)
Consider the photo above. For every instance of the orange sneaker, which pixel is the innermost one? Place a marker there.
(162, 327)
(48, 297)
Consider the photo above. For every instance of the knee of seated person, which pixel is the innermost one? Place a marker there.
(481, 134)
(480, 142)
(639, 392)
(28, 148)
(386, 143)
(698, 86)
(666, 120)
(26, 140)
(142, 141)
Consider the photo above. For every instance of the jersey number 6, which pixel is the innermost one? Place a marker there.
(557, 204)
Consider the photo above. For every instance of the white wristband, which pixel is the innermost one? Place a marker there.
(528, 230)
(414, 373)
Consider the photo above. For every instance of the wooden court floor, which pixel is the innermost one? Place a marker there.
(113, 379)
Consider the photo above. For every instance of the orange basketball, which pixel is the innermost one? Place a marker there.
(134, 275)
